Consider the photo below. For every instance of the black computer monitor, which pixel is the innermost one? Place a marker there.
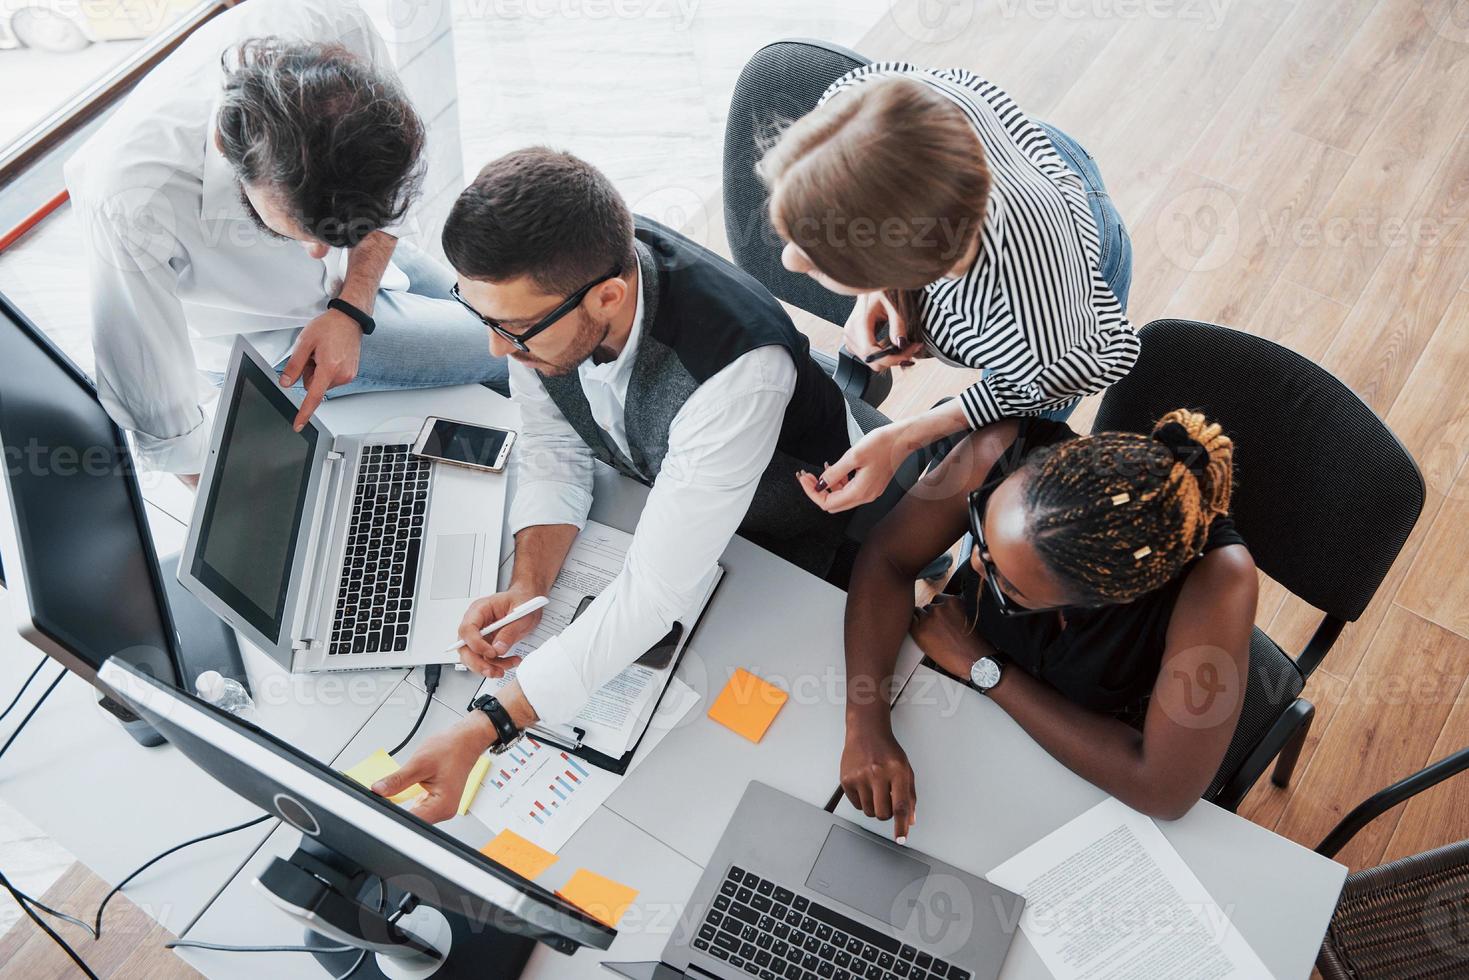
(77, 555)
(361, 854)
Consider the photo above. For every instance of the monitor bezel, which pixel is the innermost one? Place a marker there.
(547, 916)
(29, 622)
(243, 357)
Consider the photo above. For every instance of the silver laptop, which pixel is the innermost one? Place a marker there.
(334, 551)
(796, 893)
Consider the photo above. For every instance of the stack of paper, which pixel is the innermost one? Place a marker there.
(617, 714)
(1108, 898)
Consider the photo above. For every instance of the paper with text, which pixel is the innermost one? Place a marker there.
(618, 712)
(1107, 897)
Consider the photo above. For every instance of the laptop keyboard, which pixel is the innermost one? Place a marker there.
(384, 539)
(774, 934)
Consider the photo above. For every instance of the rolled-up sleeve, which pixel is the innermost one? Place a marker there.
(1092, 364)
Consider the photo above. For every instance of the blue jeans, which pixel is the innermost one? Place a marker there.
(424, 339)
(1116, 244)
(1116, 257)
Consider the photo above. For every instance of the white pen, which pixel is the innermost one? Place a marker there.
(519, 612)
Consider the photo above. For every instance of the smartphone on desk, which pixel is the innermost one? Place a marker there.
(476, 447)
(660, 655)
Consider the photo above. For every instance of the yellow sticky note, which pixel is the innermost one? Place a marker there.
(473, 783)
(518, 854)
(602, 898)
(747, 705)
(375, 767)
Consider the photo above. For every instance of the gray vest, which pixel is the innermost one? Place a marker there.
(781, 518)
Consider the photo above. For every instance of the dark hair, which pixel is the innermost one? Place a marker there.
(540, 213)
(1118, 514)
(337, 139)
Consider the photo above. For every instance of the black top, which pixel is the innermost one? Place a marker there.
(1105, 659)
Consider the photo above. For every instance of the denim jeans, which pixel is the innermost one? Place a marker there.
(423, 339)
(1116, 257)
(1116, 245)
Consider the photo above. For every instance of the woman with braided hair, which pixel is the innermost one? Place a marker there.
(1107, 607)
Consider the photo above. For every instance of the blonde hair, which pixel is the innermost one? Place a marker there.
(884, 186)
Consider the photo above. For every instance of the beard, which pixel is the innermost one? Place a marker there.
(587, 342)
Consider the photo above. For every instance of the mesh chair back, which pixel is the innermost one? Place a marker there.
(782, 82)
(1325, 494)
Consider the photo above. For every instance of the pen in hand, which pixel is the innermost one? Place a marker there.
(519, 612)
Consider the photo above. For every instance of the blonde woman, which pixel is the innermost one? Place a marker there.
(968, 232)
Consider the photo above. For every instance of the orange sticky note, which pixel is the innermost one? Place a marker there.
(602, 898)
(518, 854)
(747, 705)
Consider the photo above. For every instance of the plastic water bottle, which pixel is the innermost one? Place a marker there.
(223, 692)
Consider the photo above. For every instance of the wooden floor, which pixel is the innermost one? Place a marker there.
(1298, 169)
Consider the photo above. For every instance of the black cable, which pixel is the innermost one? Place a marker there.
(382, 895)
(431, 675)
(21, 900)
(16, 700)
(226, 948)
(97, 926)
(34, 708)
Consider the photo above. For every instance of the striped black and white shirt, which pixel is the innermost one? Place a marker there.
(1034, 311)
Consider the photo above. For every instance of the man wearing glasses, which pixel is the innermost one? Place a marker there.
(629, 344)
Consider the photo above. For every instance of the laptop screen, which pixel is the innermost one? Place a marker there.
(248, 529)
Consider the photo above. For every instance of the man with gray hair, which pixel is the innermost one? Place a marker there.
(255, 183)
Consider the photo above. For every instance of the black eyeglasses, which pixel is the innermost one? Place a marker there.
(978, 501)
(521, 339)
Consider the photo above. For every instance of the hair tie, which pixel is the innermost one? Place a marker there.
(1184, 448)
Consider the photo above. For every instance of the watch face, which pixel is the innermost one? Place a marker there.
(985, 673)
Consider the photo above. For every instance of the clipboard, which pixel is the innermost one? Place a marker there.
(618, 765)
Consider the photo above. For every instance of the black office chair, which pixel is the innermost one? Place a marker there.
(1325, 497)
(1406, 918)
(784, 81)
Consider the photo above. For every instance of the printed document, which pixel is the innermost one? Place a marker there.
(1107, 897)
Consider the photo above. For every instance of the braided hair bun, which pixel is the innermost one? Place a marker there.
(1117, 515)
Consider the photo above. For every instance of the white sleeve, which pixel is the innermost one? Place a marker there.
(719, 445)
(146, 376)
(553, 465)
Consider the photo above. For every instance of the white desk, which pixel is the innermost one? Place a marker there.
(987, 791)
(76, 774)
(114, 804)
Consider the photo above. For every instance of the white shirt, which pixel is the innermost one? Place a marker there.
(177, 266)
(719, 444)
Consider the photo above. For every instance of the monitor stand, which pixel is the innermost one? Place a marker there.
(341, 904)
(206, 642)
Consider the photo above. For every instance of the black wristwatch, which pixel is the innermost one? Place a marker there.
(364, 320)
(505, 731)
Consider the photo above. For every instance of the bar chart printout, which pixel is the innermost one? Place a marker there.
(544, 793)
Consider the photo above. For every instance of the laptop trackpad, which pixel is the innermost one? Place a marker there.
(453, 566)
(872, 878)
